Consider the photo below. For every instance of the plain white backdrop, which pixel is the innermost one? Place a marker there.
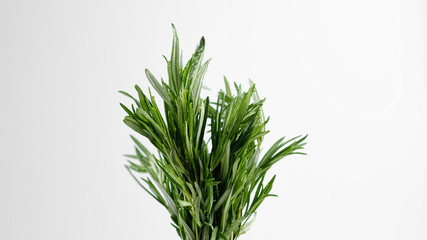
(351, 74)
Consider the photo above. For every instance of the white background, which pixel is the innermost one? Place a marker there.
(352, 74)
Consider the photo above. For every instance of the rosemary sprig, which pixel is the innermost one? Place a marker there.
(207, 173)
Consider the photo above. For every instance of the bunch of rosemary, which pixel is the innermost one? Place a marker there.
(208, 173)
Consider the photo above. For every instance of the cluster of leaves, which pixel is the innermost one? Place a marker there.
(210, 180)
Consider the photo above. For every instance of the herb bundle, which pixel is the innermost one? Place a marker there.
(208, 172)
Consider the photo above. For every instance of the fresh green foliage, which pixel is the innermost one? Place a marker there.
(207, 172)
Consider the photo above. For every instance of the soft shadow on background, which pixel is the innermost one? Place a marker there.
(350, 74)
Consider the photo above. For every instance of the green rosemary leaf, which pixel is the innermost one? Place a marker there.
(129, 112)
(130, 96)
(222, 199)
(160, 90)
(175, 67)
